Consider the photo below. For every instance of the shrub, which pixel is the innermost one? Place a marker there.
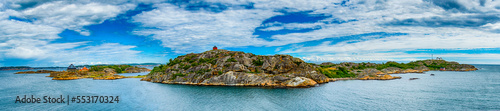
(117, 68)
(258, 62)
(178, 74)
(298, 63)
(173, 62)
(186, 67)
(340, 73)
(231, 60)
(160, 68)
(213, 61)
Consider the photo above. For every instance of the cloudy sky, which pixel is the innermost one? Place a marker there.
(58, 33)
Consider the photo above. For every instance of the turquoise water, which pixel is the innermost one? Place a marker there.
(476, 90)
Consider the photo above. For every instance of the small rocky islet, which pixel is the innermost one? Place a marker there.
(108, 72)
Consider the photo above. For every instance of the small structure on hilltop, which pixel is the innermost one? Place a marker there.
(71, 68)
(214, 48)
(84, 69)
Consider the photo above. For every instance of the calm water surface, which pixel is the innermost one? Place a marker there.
(476, 90)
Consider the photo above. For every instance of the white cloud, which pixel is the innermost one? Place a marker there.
(372, 17)
(287, 5)
(108, 53)
(71, 16)
(392, 48)
(450, 38)
(432, 26)
(294, 26)
(34, 40)
(12, 29)
(186, 31)
(492, 26)
(194, 31)
(35, 49)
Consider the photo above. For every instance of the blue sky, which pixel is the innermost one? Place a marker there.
(58, 33)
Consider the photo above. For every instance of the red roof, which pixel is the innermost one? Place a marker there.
(84, 69)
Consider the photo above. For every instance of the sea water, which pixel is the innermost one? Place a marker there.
(447, 90)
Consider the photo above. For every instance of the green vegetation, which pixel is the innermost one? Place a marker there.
(398, 65)
(178, 74)
(173, 62)
(258, 62)
(160, 68)
(345, 69)
(203, 60)
(185, 67)
(117, 68)
(339, 73)
(326, 66)
(436, 64)
(213, 62)
(189, 58)
(298, 63)
(201, 71)
(231, 60)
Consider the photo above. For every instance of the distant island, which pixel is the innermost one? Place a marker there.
(234, 68)
(79, 66)
(366, 71)
(35, 72)
(25, 68)
(99, 72)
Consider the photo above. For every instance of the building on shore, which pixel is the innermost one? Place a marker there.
(71, 68)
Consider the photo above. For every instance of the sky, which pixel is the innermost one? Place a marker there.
(86, 32)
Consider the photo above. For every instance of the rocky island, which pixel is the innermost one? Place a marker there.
(234, 68)
(372, 71)
(108, 72)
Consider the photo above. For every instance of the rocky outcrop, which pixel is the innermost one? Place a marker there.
(232, 68)
(109, 71)
(379, 77)
(112, 77)
(107, 74)
(136, 70)
(362, 70)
